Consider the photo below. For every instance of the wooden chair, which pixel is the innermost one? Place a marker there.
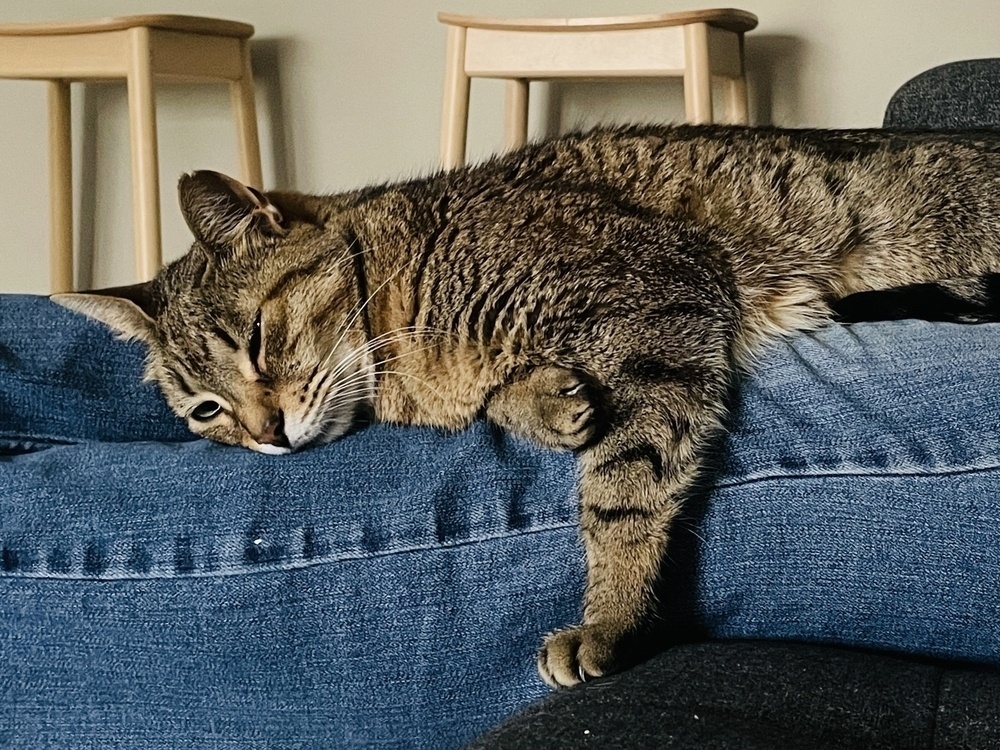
(141, 50)
(696, 45)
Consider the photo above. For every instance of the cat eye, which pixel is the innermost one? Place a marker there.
(205, 411)
(255, 343)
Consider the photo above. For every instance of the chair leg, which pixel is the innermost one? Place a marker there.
(60, 188)
(455, 108)
(145, 167)
(245, 113)
(515, 115)
(697, 74)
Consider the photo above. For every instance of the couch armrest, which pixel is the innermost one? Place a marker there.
(962, 95)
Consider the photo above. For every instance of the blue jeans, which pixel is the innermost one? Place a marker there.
(390, 589)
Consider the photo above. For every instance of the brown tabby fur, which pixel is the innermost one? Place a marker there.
(595, 292)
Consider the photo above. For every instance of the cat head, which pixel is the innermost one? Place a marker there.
(254, 336)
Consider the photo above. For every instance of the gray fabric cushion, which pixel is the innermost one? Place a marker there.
(762, 696)
(961, 95)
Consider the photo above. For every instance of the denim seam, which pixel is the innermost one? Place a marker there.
(20, 438)
(292, 565)
(58, 440)
(856, 473)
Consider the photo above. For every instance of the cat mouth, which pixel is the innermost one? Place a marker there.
(335, 424)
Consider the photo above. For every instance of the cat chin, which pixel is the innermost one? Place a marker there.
(270, 450)
(312, 436)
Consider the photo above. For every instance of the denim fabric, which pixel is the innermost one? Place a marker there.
(390, 590)
(859, 497)
(63, 380)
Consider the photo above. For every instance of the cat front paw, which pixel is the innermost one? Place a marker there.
(574, 655)
(557, 407)
(566, 406)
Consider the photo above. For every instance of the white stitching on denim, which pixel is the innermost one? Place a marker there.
(116, 573)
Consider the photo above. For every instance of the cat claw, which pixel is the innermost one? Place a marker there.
(568, 411)
(555, 406)
(576, 655)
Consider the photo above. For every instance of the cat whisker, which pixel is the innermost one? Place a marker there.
(352, 398)
(360, 308)
(332, 409)
(344, 409)
(382, 338)
(366, 373)
(408, 331)
(423, 382)
(343, 397)
(360, 378)
(358, 355)
(403, 334)
(350, 253)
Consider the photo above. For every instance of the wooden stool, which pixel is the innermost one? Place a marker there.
(141, 50)
(694, 45)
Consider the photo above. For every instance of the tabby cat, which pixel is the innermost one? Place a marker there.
(596, 292)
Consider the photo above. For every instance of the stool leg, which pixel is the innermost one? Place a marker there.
(737, 108)
(455, 108)
(60, 188)
(245, 113)
(145, 168)
(515, 114)
(697, 74)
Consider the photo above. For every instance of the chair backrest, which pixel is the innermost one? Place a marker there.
(962, 95)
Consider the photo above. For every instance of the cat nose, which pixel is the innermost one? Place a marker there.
(274, 431)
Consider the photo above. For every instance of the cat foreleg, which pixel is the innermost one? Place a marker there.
(632, 486)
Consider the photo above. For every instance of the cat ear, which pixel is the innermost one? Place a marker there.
(220, 210)
(311, 209)
(129, 310)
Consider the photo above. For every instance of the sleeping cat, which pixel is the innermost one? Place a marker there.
(597, 292)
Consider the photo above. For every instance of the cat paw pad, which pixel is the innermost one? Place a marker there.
(574, 655)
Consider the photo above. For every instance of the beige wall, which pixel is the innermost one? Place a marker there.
(349, 93)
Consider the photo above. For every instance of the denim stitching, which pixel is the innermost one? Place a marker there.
(765, 476)
(116, 571)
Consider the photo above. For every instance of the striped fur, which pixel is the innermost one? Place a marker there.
(596, 292)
